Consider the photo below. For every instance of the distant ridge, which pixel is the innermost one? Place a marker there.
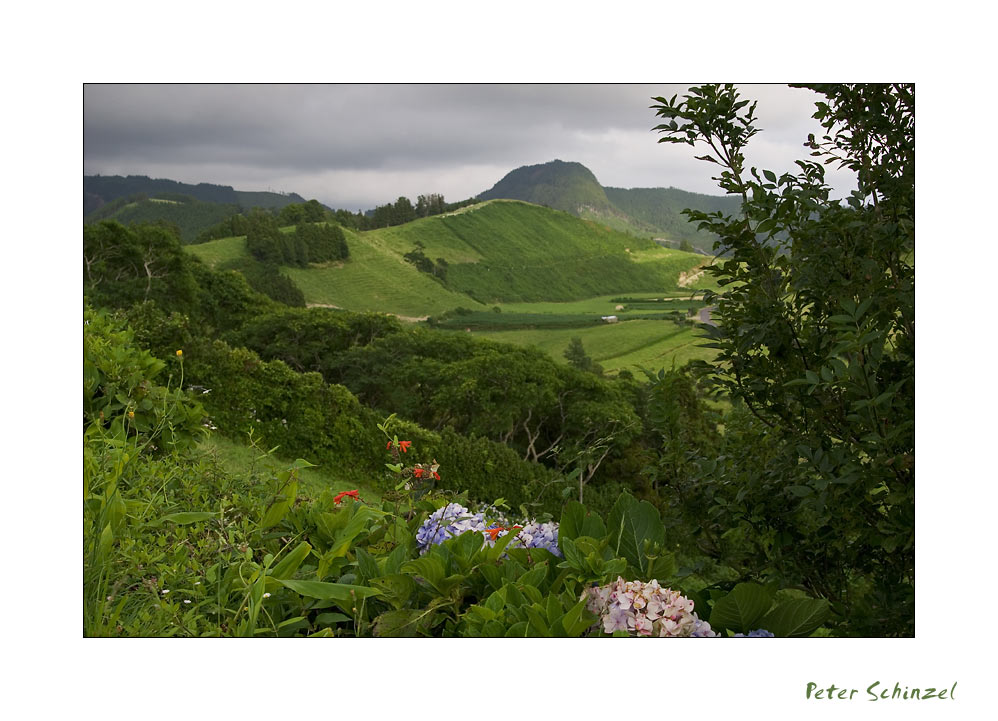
(99, 190)
(649, 212)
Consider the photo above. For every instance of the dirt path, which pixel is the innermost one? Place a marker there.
(688, 279)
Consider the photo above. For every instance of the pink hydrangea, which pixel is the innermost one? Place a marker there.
(645, 609)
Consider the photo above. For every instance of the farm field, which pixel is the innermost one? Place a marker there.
(649, 343)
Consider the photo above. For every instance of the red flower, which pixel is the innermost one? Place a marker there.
(388, 447)
(494, 531)
(436, 475)
(405, 445)
(417, 472)
(352, 494)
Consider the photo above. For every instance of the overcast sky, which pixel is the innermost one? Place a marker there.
(358, 146)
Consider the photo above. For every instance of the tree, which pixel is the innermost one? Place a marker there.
(816, 337)
(577, 357)
(123, 265)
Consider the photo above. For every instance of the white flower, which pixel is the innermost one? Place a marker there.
(197, 583)
(165, 591)
(266, 595)
(187, 600)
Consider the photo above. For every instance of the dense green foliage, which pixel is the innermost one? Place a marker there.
(184, 213)
(816, 337)
(176, 546)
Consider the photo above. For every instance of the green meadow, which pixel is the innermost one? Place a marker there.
(651, 344)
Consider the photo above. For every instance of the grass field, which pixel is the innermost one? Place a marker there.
(240, 459)
(652, 344)
(218, 252)
(376, 278)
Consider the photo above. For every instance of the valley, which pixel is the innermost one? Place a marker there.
(518, 273)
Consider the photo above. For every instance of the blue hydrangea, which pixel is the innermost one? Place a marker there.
(446, 522)
(758, 633)
(454, 519)
(538, 535)
(702, 629)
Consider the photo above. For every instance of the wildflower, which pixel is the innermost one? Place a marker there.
(436, 475)
(404, 445)
(180, 354)
(197, 583)
(165, 591)
(131, 414)
(353, 494)
(266, 595)
(418, 472)
(187, 600)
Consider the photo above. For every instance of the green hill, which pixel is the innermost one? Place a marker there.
(559, 185)
(494, 252)
(99, 190)
(647, 212)
(662, 209)
(187, 213)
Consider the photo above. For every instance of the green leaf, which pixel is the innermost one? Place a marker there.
(328, 619)
(577, 521)
(797, 617)
(326, 591)
(290, 563)
(397, 588)
(367, 566)
(403, 623)
(576, 620)
(742, 609)
(185, 518)
(630, 524)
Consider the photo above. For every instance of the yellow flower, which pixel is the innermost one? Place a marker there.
(131, 414)
(180, 354)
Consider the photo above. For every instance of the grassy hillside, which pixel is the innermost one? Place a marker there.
(188, 214)
(662, 208)
(526, 253)
(496, 252)
(649, 343)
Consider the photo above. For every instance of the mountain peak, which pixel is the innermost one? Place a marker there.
(559, 184)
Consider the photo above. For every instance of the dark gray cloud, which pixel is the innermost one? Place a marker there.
(357, 146)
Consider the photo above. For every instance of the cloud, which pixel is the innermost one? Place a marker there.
(363, 145)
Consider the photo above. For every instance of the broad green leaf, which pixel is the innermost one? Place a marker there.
(326, 591)
(279, 508)
(328, 619)
(797, 617)
(290, 563)
(576, 620)
(397, 588)
(185, 518)
(367, 566)
(629, 524)
(577, 521)
(742, 609)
